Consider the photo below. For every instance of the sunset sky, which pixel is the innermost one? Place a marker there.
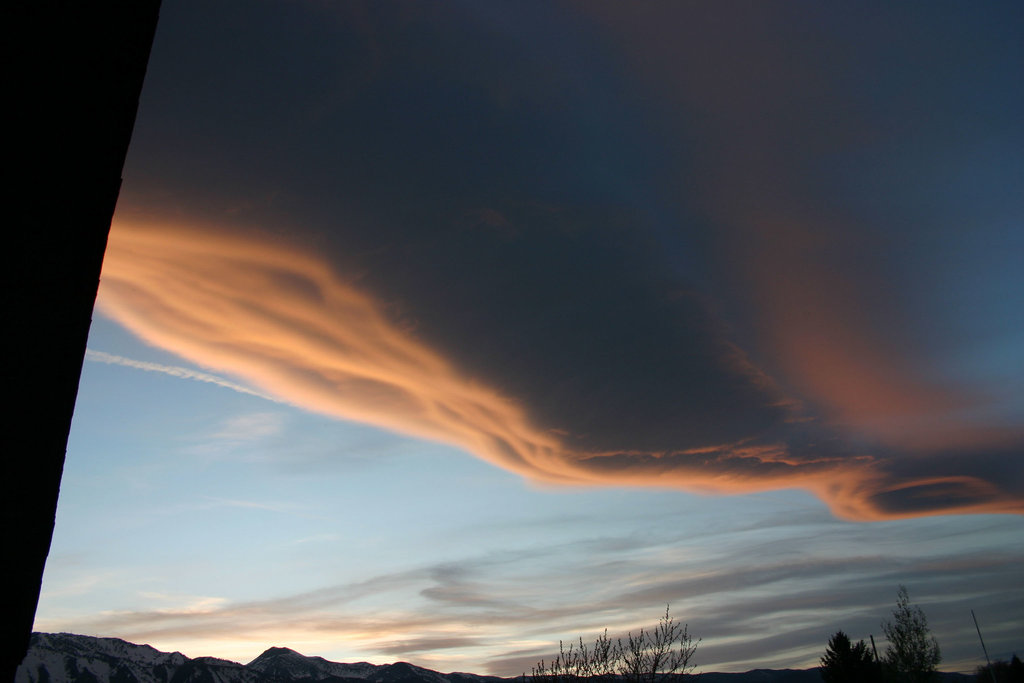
(439, 332)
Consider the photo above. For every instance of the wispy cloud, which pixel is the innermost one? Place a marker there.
(175, 371)
(253, 505)
(253, 426)
(276, 507)
(752, 606)
(185, 604)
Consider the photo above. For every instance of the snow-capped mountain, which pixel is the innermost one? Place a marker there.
(69, 658)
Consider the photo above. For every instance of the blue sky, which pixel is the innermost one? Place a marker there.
(199, 519)
(442, 333)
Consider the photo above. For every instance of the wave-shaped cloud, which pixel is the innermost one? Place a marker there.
(284, 321)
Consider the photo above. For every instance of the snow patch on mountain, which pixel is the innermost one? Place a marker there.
(70, 658)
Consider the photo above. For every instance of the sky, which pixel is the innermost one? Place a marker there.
(440, 332)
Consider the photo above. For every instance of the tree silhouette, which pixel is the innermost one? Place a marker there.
(659, 655)
(844, 662)
(1001, 672)
(913, 653)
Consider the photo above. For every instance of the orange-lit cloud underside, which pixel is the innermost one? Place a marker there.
(284, 321)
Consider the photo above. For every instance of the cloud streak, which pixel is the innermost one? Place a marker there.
(293, 327)
(174, 371)
(774, 606)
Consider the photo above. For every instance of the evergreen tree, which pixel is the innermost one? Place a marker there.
(846, 662)
(913, 653)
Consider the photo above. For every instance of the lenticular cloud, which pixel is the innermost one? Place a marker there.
(285, 322)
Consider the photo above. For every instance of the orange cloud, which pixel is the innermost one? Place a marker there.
(823, 327)
(284, 321)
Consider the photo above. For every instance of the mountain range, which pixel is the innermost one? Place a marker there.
(70, 658)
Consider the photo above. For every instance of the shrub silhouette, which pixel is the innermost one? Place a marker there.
(659, 655)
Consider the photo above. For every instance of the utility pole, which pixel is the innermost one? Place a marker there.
(991, 671)
(878, 662)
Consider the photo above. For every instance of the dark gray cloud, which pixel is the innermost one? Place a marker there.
(656, 230)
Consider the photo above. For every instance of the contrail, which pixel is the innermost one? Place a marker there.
(174, 371)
